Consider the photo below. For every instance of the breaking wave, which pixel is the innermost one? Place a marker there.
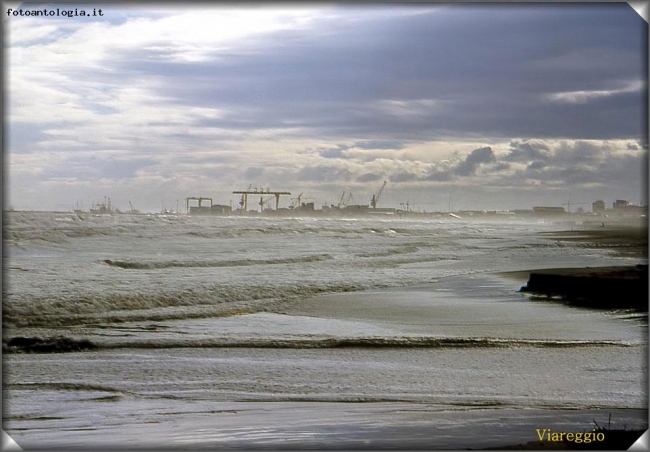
(376, 342)
(216, 301)
(57, 344)
(64, 344)
(130, 265)
(390, 252)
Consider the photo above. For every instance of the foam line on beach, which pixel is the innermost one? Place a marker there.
(135, 265)
(65, 344)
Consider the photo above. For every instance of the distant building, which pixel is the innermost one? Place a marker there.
(214, 209)
(218, 209)
(620, 204)
(544, 210)
(624, 208)
(598, 207)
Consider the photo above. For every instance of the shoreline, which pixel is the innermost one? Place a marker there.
(625, 241)
(581, 287)
(334, 426)
(598, 287)
(621, 287)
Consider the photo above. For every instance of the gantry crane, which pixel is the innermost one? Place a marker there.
(260, 191)
(296, 201)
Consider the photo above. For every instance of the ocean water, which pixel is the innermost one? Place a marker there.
(234, 332)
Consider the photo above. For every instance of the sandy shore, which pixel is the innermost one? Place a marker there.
(610, 439)
(621, 287)
(317, 426)
(631, 242)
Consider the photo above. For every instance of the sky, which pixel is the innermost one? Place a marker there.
(499, 106)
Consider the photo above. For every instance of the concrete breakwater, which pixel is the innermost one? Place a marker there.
(594, 287)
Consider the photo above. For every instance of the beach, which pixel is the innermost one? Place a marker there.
(420, 340)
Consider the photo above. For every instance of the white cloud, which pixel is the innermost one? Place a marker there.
(53, 75)
(582, 97)
(408, 108)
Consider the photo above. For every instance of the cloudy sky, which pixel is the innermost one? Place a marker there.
(498, 106)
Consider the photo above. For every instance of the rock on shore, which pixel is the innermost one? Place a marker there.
(598, 287)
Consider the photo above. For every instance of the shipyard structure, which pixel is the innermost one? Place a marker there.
(266, 202)
(204, 205)
(249, 205)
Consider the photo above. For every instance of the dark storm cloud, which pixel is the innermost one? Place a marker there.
(439, 176)
(333, 153)
(528, 150)
(474, 159)
(579, 153)
(369, 177)
(489, 66)
(578, 164)
(403, 177)
(538, 154)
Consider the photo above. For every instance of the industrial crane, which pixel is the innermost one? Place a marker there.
(345, 200)
(263, 202)
(244, 201)
(341, 200)
(296, 201)
(375, 198)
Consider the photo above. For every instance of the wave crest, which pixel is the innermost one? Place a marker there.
(63, 344)
(216, 301)
(134, 265)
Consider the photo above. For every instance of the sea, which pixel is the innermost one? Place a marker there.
(240, 332)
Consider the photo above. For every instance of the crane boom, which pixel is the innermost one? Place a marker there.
(341, 200)
(375, 198)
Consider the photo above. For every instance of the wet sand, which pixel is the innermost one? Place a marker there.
(317, 426)
(630, 241)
